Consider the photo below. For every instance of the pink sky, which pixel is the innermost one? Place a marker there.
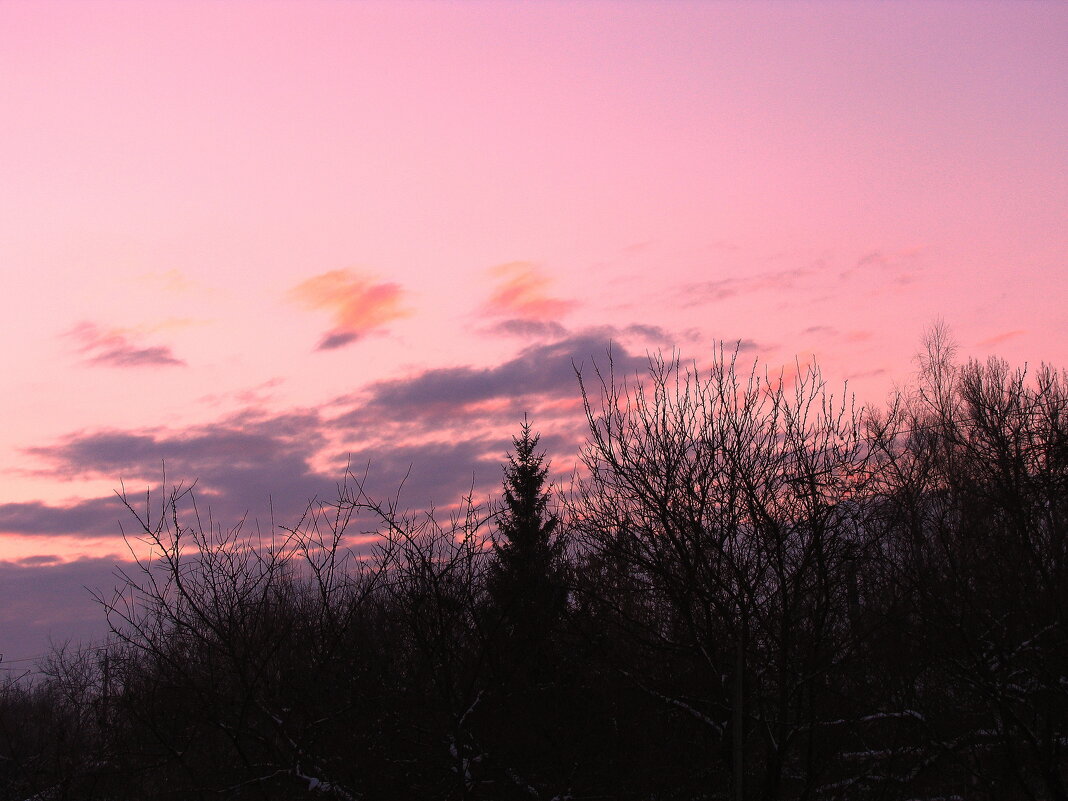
(253, 238)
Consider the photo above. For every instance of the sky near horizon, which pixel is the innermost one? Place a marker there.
(258, 240)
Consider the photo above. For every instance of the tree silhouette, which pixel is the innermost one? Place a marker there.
(526, 603)
(525, 579)
(765, 594)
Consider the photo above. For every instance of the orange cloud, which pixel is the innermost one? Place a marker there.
(521, 293)
(359, 305)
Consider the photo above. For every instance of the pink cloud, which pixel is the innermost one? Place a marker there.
(997, 339)
(358, 304)
(113, 347)
(522, 293)
(724, 288)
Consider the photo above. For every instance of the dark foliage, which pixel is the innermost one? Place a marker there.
(753, 591)
(526, 581)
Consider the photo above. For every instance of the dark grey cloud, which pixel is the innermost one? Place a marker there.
(338, 339)
(445, 429)
(651, 332)
(240, 465)
(43, 604)
(94, 517)
(40, 560)
(42, 600)
(873, 260)
(438, 473)
(115, 349)
(545, 371)
(236, 443)
(45, 601)
(530, 329)
(259, 468)
(258, 464)
(130, 356)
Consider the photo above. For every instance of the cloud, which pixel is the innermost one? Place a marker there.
(337, 339)
(254, 464)
(240, 441)
(256, 395)
(521, 293)
(39, 560)
(426, 473)
(113, 348)
(900, 266)
(43, 602)
(263, 472)
(359, 305)
(530, 329)
(90, 518)
(172, 281)
(239, 464)
(655, 333)
(866, 374)
(858, 335)
(541, 371)
(997, 339)
(449, 425)
(268, 465)
(696, 293)
(44, 598)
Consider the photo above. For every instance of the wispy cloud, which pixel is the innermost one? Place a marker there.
(652, 333)
(530, 329)
(896, 266)
(997, 339)
(115, 347)
(724, 288)
(521, 292)
(359, 304)
(170, 281)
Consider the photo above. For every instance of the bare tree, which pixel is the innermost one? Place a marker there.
(973, 477)
(732, 500)
(226, 639)
(54, 737)
(764, 594)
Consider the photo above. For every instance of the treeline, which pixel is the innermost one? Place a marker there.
(751, 590)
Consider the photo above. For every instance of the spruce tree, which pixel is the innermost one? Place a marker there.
(526, 581)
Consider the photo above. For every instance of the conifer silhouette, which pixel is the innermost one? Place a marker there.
(525, 579)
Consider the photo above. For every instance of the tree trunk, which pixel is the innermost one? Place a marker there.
(738, 723)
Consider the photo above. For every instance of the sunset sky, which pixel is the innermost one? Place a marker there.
(258, 240)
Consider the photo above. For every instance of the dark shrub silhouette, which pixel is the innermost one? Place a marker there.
(752, 590)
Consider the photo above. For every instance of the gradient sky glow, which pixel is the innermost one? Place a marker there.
(257, 239)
